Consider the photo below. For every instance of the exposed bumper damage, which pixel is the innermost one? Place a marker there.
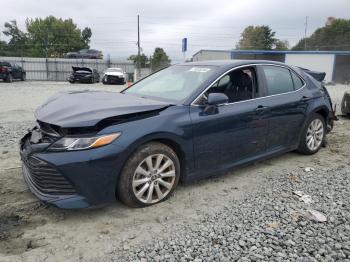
(81, 178)
(69, 179)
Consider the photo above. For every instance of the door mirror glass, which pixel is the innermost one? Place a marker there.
(217, 99)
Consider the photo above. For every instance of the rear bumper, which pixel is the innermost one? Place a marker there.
(76, 179)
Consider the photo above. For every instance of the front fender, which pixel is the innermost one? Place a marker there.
(172, 126)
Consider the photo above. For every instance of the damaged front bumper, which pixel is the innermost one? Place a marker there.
(77, 179)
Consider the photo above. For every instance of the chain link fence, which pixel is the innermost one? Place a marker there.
(58, 69)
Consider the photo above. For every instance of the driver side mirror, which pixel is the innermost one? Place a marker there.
(217, 99)
(213, 100)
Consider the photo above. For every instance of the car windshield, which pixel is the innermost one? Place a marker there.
(174, 83)
(114, 70)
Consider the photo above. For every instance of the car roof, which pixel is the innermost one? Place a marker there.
(225, 63)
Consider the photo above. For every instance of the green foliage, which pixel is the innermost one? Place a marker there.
(18, 40)
(142, 58)
(160, 59)
(281, 45)
(3, 48)
(260, 38)
(46, 37)
(86, 36)
(54, 37)
(257, 37)
(334, 36)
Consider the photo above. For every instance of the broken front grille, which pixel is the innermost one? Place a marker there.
(114, 78)
(45, 178)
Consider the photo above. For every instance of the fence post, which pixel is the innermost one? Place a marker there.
(47, 69)
(56, 69)
(108, 62)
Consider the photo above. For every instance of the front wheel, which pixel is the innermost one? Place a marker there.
(313, 135)
(150, 175)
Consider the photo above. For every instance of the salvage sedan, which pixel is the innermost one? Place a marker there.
(185, 122)
(114, 76)
(83, 75)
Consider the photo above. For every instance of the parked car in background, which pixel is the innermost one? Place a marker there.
(83, 75)
(9, 72)
(85, 53)
(114, 76)
(188, 121)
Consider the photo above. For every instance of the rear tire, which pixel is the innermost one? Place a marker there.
(23, 77)
(149, 176)
(313, 135)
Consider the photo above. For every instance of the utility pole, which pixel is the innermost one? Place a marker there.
(150, 63)
(305, 32)
(138, 49)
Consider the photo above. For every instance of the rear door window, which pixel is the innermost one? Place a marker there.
(278, 79)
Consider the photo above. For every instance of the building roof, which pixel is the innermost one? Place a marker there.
(275, 52)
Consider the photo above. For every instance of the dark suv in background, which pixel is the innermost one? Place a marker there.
(9, 72)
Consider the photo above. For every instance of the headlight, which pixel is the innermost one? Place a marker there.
(80, 143)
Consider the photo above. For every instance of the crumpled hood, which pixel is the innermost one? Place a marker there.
(87, 108)
(77, 68)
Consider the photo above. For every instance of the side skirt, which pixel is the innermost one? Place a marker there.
(197, 175)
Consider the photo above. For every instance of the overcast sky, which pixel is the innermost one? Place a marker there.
(208, 24)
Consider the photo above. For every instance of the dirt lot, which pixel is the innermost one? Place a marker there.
(206, 220)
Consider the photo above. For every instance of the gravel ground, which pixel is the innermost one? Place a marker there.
(270, 224)
(250, 214)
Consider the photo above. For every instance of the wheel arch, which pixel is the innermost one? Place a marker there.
(321, 110)
(182, 149)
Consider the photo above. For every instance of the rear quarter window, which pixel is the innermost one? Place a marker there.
(298, 83)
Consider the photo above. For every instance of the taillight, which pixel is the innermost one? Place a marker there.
(3, 69)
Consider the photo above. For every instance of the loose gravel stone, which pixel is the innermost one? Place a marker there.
(271, 224)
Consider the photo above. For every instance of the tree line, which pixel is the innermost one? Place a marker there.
(44, 37)
(335, 35)
(54, 37)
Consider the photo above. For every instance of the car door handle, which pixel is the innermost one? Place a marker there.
(261, 108)
(305, 98)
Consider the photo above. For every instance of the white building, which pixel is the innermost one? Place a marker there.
(336, 64)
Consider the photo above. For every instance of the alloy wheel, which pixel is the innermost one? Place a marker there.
(314, 135)
(154, 178)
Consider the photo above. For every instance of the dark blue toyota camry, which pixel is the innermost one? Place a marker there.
(185, 122)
